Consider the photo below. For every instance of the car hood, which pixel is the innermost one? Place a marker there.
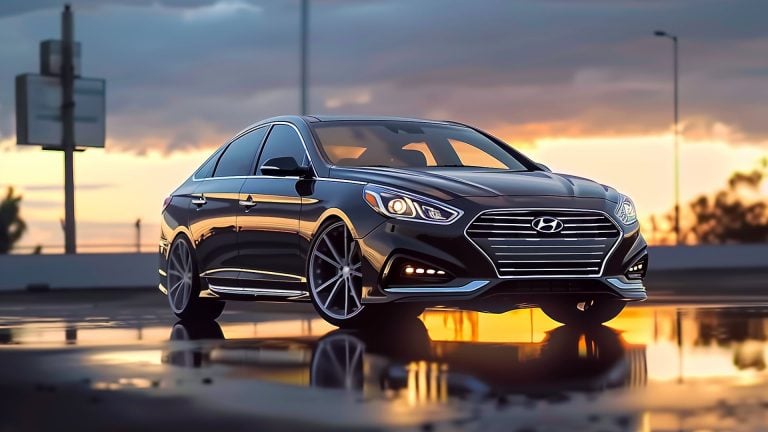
(448, 183)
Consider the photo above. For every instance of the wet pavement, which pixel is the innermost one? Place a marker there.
(116, 360)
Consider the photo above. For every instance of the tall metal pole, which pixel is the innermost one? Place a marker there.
(68, 128)
(304, 54)
(677, 152)
(661, 33)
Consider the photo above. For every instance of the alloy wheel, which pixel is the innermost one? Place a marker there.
(180, 276)
(335, 276)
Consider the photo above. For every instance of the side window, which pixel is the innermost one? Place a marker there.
(206, 169)
(282, 141)
(240, 154)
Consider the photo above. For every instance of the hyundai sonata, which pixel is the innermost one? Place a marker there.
(370, 218)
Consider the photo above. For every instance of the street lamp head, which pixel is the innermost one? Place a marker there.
(660, 33)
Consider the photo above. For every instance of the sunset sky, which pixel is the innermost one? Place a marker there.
(581, 86)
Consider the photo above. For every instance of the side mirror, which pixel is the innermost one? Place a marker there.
(543, 167)
(284, 167)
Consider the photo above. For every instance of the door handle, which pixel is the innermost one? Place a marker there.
(248, 204)
(199, 202)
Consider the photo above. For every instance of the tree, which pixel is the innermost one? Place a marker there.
(12, 227)
(736, 214)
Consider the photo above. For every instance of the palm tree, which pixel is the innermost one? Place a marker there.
(11, 225)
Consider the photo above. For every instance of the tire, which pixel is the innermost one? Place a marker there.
(335, 281)
(583, 312)
(200, 330)
(183, 285)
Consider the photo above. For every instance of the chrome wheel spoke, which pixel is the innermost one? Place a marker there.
(177, 284)
(354, 297)
(346, 296)
(333, 292)
(332, 249)
(351, 253)
(328, 282)
(326, 258)
(175, 262)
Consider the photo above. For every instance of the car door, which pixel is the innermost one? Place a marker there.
(268, 220)
(214, 208)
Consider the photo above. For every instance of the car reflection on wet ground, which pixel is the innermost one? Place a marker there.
(95, 361)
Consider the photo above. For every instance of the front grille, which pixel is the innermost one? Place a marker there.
(518, 250)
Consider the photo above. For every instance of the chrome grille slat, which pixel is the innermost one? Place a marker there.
(545, 261)
(519, 252)
(552, 246)
(543, 239)
(551, 269)
(548, 253)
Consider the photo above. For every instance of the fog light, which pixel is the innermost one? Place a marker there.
(413, 270)
(638, 269)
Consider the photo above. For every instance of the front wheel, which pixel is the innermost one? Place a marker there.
(583, 312)
(184, 285)
(335, 278)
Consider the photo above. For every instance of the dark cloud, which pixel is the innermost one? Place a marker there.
(183, 74)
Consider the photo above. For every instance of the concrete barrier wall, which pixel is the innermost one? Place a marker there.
(123, 270)
(129, 270)
(714, 257)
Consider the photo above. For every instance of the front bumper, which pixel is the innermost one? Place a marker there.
(474, 274)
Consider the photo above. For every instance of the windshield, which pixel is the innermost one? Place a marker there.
(403, 144)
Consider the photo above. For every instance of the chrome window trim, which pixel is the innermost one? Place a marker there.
(281, 177)
(251, 129)
(496, 270)
(466, 288)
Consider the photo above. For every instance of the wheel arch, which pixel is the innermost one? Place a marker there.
(179, 232)
(335, 214)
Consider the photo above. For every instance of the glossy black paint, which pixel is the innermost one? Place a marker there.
(255, 231)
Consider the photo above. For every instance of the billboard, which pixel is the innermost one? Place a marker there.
(38, 111)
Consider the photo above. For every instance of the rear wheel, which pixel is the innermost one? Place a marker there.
(583, 312)
(184, 285)
(335, 278)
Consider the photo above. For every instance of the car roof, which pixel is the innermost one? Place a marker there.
(328, 118)
(325, 118)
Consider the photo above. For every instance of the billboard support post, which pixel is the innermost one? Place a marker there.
(60, 110)
(68, 128)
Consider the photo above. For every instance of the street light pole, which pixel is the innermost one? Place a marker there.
(304, 54)
(660, 33)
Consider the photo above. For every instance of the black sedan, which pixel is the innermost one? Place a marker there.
(371, 218)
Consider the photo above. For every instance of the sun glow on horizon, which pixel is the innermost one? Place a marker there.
(115, 188)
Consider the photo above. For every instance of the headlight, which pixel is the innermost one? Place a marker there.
(625, 210)
(401, 205)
